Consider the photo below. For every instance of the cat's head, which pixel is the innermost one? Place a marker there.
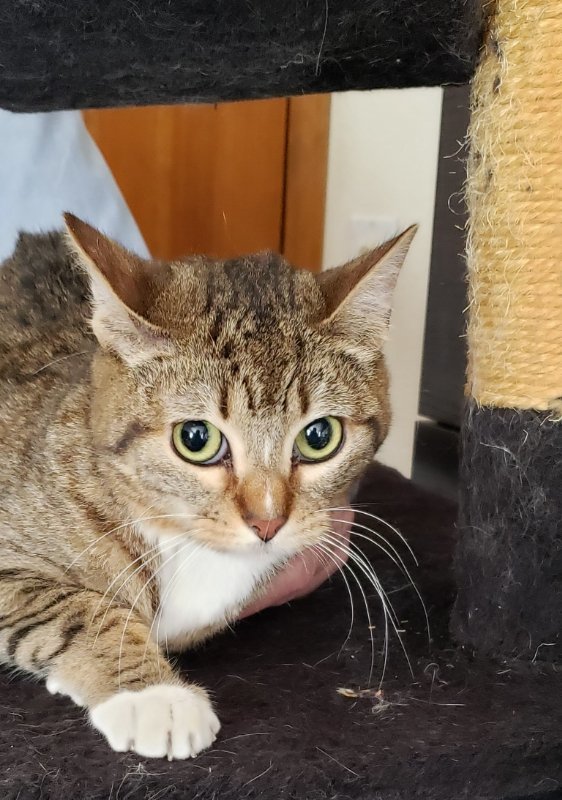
(237, 401)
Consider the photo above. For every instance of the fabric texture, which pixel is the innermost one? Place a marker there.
(50, 164)
(454, 728)
(509, 557)
(87, 53)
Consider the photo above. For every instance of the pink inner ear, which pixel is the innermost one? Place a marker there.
(127, 274)
(336, 284)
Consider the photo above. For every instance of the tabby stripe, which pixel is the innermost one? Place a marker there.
(25, 576)
(249, 393)
(216, 326)
(287, 389)
(33, 588)
(21, 633)
(223, 402)
(93, 515)
(108, 625)
(69, 634)
(34, 660)
(134, 430)
(15, 574)
(304, 398)
(4, 623)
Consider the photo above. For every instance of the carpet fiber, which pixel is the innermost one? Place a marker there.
(456, 728)
(509, 562)
(112, 53)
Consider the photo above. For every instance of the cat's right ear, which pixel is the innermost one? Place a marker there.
(358, 295)
(122, 285)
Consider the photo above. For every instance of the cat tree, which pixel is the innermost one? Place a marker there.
(482, 714)
(509, 559)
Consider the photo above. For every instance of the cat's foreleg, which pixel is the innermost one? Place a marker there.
(104, 659)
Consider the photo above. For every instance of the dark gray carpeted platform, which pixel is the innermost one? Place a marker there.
(458, 728)
(89, 53)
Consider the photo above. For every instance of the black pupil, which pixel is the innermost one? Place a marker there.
(318, 434)
(194, 435)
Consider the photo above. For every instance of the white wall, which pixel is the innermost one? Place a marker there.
(382, 171)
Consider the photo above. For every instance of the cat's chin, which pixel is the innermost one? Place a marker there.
(201, 588)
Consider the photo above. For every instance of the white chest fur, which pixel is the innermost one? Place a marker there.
(199, 586)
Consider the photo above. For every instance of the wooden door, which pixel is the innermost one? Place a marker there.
(222, 180)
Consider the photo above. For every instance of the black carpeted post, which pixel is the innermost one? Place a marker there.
(509, 555)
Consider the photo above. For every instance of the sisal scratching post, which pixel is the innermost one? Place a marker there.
(509, 559)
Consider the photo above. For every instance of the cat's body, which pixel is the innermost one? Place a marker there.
(111, 545)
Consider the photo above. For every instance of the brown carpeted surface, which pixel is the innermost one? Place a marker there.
(456, 728)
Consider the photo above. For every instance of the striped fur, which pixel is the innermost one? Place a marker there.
(93, 498)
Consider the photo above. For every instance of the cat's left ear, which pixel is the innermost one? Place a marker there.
(122, 286)
(358, 295)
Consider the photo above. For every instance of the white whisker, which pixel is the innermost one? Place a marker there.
(347, 566)
(135, 601)
(142, 558)
(103, 536)
(400, 564)
(391, 552)
(130, 523)
(332, 556)
(377, 519)
(368, 571)
(60, 358)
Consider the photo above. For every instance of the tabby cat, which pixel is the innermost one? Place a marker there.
(171, 434)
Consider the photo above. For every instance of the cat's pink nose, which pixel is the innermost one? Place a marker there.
(266, 529)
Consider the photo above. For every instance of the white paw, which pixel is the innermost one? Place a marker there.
(54, 686)
(162, 720)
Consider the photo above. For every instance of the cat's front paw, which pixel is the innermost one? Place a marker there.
(159, 721)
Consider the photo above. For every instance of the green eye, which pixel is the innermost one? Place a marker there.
(319, 440)
(199, 441)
